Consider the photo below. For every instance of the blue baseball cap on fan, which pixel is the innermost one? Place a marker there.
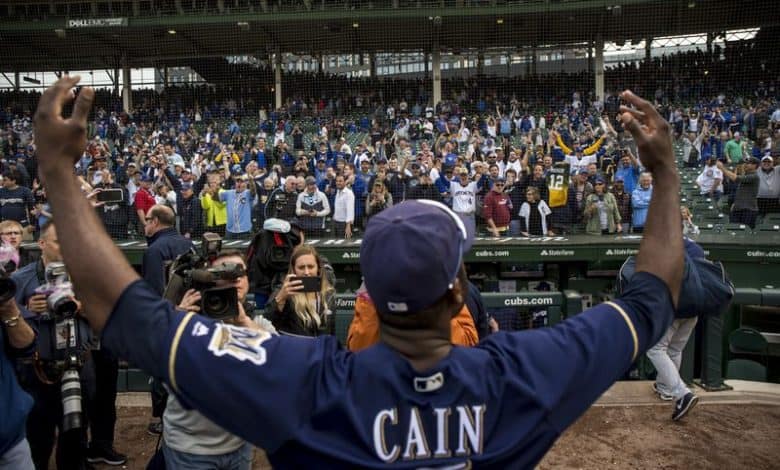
(411, 255)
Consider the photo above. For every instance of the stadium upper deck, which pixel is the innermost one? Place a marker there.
(75, 35)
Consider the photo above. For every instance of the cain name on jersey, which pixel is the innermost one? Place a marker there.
(466, 421)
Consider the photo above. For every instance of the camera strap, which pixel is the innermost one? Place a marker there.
(40, 272)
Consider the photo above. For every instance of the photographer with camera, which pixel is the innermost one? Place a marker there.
(190, 440)
(303, 304)
(17, 340)
(52, 377)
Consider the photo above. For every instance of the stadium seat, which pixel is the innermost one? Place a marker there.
(745, 369)
(747, 341)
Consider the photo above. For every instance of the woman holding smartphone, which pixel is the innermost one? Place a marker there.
(303, 304)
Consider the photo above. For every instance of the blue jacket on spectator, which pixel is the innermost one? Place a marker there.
(640, 201)
(630, 175)
(16, 403)
(165, 245)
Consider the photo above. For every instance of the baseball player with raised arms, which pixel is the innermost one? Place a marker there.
(413, 400)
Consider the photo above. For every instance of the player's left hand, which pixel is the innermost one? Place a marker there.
(61, 142)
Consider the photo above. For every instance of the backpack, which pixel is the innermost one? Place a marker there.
(270, 250)
(706, 288)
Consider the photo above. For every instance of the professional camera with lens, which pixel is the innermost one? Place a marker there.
(63, 341)
(192, 271)
(59, 292)
(9, 261)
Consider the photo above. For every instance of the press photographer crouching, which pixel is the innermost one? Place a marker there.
(216, 284)
(303, 305)
(53, 376)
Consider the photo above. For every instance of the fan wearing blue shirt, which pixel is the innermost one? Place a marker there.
(413, 400)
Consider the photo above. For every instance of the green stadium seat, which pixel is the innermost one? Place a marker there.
(747, 341)
(745, 369)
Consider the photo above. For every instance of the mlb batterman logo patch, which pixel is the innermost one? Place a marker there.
(241, 343)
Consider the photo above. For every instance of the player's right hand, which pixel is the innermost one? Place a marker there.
(61, 142)
(650, 131)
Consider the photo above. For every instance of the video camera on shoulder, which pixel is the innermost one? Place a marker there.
(193, 270)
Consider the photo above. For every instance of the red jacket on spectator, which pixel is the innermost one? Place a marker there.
(144, 200)
(498, 207)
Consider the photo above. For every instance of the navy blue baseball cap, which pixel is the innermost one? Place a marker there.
(411, 255)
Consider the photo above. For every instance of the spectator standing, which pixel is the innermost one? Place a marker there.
(628, 169)
(623, 200)
(497, 209)
(745, 207)
(710, 180)
(343, 209)
(640, 201)
(115, 215)
(144, 200)
(734, 150)
(239, 203)
(16, 202)
(535, 215)
(311, 207)
(214, 209)
(378, 200)
(769, 186)
(189, 212)
(602, 215)
(294, 311)
(464, 198)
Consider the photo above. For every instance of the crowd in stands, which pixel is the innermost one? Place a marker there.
(508, 164)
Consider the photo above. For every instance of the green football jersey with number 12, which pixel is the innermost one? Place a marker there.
(558, 184)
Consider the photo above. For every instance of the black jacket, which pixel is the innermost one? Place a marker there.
(164, 246)
(190, 216)
(287, 322)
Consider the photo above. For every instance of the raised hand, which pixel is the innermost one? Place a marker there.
(61, 142)
(650, 131)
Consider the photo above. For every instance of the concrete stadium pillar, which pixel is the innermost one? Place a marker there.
(278, 80)
(17, 81)
(127, 90)
(598, 68)
(436, 72)
(481, 63)
(648, 49)
(372, 65)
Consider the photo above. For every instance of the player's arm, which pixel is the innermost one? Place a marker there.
(661, 249)
(61, 142)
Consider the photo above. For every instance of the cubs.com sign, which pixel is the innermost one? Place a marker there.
(97, 23)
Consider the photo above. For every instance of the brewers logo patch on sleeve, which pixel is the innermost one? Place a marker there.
(241, 343)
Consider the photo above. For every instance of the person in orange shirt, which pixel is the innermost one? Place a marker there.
(364, 329)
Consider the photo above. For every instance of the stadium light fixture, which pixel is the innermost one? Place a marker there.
(60, 33)
(243, 25)
(171, 31)
(500, 21)
(355, 25)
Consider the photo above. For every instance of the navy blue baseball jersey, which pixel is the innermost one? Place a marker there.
(308, 402)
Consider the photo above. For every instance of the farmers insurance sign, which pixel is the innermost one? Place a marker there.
(97, 23)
